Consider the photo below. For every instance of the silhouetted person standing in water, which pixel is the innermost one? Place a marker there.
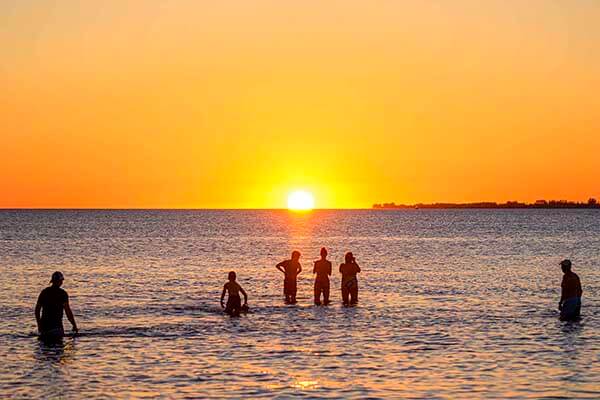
(291, 269)
(349, 269)
(570, 296)
(234, 303)
(323, 270)
(50, 304)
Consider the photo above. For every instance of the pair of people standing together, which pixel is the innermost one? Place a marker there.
(322, 268)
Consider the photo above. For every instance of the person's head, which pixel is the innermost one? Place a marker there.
(565, 265)
(295, 255)
(232, 276)
(349, 257)
(57, 279)
(323, 253)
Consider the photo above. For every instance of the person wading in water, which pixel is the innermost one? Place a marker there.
(49, 310)
(323, 270)
(570, 296)
(234, 303)
(349, 269)
(291, 269)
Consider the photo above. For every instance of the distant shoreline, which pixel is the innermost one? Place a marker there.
(540, 204)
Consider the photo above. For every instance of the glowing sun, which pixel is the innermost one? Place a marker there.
(300, 201)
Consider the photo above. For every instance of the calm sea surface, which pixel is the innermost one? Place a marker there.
(453, 304)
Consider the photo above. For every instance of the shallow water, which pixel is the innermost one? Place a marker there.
(453, 304)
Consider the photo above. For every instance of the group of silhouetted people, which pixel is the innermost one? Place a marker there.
(291, 269)
(53, 300)
(322, 269)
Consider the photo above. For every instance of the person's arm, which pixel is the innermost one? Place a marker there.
(579, 289)
(70, 316)
(315, 268)
(357, 267)
(562, 293)
(299, 268)
(245, 296)
(223, 296)
(280, 267)
(38, 318)
(341, 268)
(329, 269)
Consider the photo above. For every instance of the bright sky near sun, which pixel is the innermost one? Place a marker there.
(235, 104)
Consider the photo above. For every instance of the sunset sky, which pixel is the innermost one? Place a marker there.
(234, 104)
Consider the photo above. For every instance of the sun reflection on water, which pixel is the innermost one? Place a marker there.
(305, 384)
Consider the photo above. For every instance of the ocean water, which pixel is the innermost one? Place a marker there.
(452, 304)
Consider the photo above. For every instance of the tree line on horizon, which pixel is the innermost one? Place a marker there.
(591, 203)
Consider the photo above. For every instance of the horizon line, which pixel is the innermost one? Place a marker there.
(373, 206)
(384, 209)
(181, 208)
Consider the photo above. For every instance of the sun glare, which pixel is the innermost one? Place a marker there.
(300, 201)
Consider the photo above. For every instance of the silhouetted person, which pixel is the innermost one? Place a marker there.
(570, 296)
(349, 269)
(50, 304)
(234, 303)
(291, 269)
(323, 270)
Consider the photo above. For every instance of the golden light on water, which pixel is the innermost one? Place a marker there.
(300, 200)
(307, 384)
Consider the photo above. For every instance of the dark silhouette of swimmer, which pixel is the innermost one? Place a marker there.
(349, 269)
(234, 303)
(49, 310)
(323, 270)
(291, 269)
(570, 296)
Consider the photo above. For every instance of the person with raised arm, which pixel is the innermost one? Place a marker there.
(290, 269)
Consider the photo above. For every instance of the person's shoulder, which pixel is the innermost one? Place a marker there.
(44, 292)
(55, 291)
(59, 293)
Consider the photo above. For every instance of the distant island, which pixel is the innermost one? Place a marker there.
(591, 203)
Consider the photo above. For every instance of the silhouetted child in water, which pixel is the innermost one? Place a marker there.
(323, 270)
(234, 303)
(349, 269)
(291, 269)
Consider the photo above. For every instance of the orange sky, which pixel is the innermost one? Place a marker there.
(236, 103)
